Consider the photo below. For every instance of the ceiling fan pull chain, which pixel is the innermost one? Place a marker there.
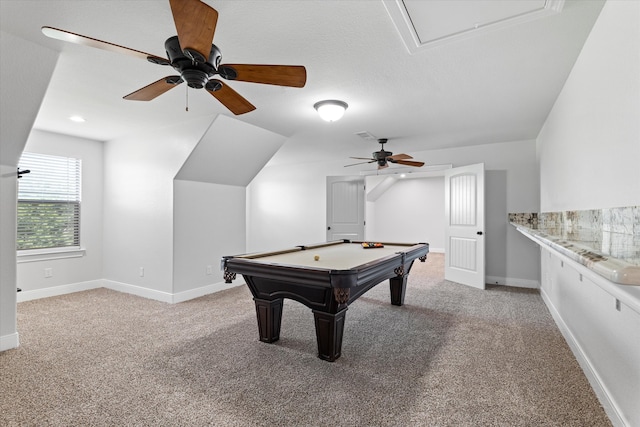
(187, 100)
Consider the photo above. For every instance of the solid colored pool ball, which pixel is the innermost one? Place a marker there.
(316, 257)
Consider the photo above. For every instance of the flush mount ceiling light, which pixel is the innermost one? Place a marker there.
(331, 109)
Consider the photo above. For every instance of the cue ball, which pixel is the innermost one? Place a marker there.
(316, 257)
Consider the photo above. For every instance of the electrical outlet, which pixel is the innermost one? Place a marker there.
(141, 272)
(48, 272)
(209, 270)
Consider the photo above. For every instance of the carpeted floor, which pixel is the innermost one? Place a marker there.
(451, 356)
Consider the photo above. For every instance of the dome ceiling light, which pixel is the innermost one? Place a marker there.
(331, 110)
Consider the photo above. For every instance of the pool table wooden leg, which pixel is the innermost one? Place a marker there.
(329, 329)
(398, 287)
(269, 319)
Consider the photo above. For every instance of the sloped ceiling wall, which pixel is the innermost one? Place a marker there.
(231, 152)
(23, 88)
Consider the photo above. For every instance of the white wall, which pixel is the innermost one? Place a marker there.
(21, 91)
(209, 222)
(138, 205)
(143, 231)
(286, 204)
(210, 202)
(589, 146)
(88, 267)
(8, 193)
(162, 233)
(589, 152)
(420, 202)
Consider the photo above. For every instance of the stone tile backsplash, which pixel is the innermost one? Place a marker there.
(624, 220)
(613, 231)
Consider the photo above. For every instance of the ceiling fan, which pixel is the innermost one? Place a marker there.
(383, 158)
(197, 60)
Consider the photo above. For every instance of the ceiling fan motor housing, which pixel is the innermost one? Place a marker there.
(381, 156)
(195, 73)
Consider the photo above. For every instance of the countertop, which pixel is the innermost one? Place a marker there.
(614, 256)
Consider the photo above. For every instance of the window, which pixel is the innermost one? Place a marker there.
(48, 202)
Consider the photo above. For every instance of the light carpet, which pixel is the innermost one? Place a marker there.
(451, 356)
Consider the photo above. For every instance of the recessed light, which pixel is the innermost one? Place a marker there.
(77, 119)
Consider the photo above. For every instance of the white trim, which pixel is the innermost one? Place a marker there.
(204, 290)
(601, 391)
(402, 21)
(166, 296)
(57, 290)
(435, 250)
(33, 255)
(126, 288)
(8, 342)
(138, 290)
(512, 281)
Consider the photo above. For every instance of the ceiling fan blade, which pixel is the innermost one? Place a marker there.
(400, 156)
(229, 97)
(154, 89)
(363, 158)
(195, 23)
(361, 163)
(408, 163)
(67, 36)
(280, 75)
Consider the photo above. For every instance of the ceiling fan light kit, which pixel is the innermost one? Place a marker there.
(331, 110)
(194, 56)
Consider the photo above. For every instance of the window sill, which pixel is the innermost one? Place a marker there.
(35, 255)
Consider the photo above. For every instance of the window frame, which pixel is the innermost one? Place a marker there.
(60, 183)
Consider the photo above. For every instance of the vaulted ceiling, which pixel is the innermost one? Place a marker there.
(392, 61)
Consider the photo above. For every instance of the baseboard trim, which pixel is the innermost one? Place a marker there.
(166, 296)
(138, 291)
(204, 290)
(512, 281)
(126, 288)
(601, 391)
(58, 290)
(8, 342)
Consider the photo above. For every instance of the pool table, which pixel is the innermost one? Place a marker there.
(325, 277)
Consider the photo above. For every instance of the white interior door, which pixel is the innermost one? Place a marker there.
(464, 225)
(345, 208)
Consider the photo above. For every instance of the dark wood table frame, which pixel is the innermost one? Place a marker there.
(328, 293)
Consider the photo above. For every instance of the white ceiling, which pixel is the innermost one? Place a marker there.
(494, 86)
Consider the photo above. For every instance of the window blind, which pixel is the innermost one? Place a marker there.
(49, 202)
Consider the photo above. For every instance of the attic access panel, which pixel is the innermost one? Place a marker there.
(424, 24)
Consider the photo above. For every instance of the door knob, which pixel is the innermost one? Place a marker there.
(328, 228)
(479, 233)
